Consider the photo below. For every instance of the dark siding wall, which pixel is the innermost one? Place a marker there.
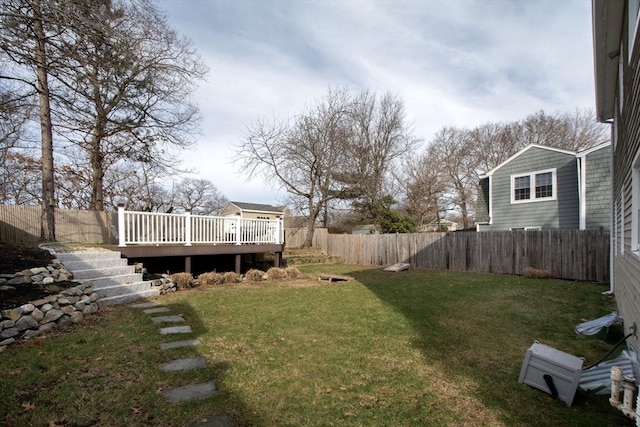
(561, 213)
(598, 188)
(482, 208)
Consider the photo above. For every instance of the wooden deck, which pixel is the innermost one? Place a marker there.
(160, 251)
(156, 235)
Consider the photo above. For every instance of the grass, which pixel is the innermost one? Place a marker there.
(410, 348)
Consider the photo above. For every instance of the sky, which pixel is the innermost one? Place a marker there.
(459, 63)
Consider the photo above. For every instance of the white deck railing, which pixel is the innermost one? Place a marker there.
(152, 228)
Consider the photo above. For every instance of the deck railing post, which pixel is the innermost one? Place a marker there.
(238, 231)
(280, 231)
(187, 228)
(121, 231)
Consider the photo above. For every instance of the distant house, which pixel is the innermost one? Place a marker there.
(616, 39)
(542, 187)
(252, 211)
(438, 225)
(365, 229)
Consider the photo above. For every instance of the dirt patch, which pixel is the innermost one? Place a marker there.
(15, 258)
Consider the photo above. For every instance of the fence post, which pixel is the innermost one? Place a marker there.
(187, 228)
(121, 231)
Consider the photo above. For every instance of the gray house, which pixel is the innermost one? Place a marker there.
(542, 187)
(616, 42)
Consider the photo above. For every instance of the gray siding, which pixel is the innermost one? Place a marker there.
(627, 265)
(598, 188)
(482, 207)
(562, 213)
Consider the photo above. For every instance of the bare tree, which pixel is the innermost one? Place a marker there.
(27, 40)
(424, 187)
(381, 137)
(303, 156)
(200, 196)
(127, 92)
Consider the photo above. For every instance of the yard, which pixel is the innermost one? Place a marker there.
(412, 348)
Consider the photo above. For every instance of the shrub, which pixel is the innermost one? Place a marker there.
(276, 274)
(254, 275)
(292, 272)
(183, 280)
(210, 279)
(230, 277)
(536, 273)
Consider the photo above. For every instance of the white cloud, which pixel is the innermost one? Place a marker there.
(455, 63)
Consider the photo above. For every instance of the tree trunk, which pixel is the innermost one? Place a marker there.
(311, 225)
(97, 174)
(48, 231)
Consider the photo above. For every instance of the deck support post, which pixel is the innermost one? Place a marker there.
(238, 263)
(187, 264)
(277, 259)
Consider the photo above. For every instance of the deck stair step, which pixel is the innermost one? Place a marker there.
(109, 275)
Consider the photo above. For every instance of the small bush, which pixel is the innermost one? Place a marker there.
(292, 272)
(183, 280)
(536, 273)
(210, 279)
(276, 274)
(254, 275)
(230, 277)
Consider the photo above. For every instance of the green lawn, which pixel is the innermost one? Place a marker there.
(411, 348)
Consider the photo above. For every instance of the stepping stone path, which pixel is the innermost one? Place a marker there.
(192, 391)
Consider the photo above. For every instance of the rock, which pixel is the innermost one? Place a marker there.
(13, 314)
(26, 322)
(76, 317)
(52, 315)
(2, 281)
(7, 276)
(64, 301)
(7, 342)
(26, 272)
(94, 297)
(68, 309)
(32, 333)
(46, 307)
(37, 315)
(79, 305)
(90, 309)
(7, 288)
(7, 324)
(47, 327)
(39, 302)
(64, 321)
(27, 308)
(85, 299)
(9, 333)
(37, 278)
(38, 270)
(18, 280)
(51, 298)
(48, 280)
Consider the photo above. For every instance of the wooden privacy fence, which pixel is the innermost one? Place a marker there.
(22, 224)
(295, 237)
(566, 254)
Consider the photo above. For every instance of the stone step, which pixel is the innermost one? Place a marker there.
(65, 257)
(144, 305)
(186, 329)
(94, 273)
(168, 319)
(101, 282)
(156, 310)
(189, 392)
(179, 344)
(122, 289)
(128, 298)
(97, 263)
(182, 365)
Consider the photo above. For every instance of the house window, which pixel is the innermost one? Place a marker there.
(533, 187)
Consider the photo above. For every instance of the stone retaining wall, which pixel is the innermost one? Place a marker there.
(49, 313)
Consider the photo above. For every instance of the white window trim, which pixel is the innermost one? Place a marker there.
(532, 186)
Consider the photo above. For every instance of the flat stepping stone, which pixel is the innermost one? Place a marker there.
(144, 305)
(189, 392)
(156, 310)
(178, 344)
(181, 365)
(176, 330)
(217, 421)
(168, 319)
